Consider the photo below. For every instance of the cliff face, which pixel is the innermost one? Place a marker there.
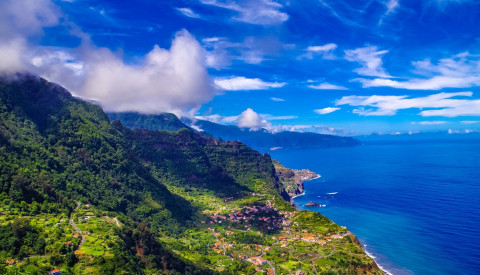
(292, 179)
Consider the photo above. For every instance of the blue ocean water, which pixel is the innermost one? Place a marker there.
(414, 205)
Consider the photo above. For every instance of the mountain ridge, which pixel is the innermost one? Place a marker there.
(264, 140)
(261, 139)
(143, 201)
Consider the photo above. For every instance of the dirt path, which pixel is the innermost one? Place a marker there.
(117, 222)
(268, 262)
(72, 223)
(221, 243)
(271, 266)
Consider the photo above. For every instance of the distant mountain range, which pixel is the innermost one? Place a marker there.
(260, 140)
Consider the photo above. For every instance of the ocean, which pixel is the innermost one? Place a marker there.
(413, 204)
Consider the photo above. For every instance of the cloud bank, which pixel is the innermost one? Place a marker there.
(174, 80)
(239, 83)
(20, 20)
(458, 71)
(257, 12)
(371, 60)
(441, 104)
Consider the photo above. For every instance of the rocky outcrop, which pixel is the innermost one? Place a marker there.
(292, 179)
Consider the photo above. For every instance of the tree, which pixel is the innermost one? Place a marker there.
(20, 227)
(70, 258)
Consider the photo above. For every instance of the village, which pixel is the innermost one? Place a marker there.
(265, 217)
(260, 219)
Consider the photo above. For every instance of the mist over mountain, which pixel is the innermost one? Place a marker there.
(260, 139)
(265, 140)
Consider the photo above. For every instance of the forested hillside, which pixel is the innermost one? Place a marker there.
(163, 121)
(90, 196)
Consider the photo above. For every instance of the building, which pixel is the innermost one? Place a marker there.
(257, 260)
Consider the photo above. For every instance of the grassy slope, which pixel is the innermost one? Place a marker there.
(161, 188)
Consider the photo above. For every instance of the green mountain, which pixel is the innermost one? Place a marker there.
(164, 121)
(89, 196)
(260, 140)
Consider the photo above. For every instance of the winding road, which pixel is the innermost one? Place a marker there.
(72, 223)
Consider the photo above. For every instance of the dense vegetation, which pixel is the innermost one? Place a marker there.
(164, 121)
(90, 196)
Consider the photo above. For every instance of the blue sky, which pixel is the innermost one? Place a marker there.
(329, 66)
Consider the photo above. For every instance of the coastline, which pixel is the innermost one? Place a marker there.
(369, 254)
(296, 196)
(303, 193)
(317, 177)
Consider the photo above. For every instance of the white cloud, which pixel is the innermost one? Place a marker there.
(173, 80)
(218, 119)
(441, 104)
(26, 17)
(252, 50)
(257, 12)
(188, 12)
(12, 55)
(277, 99)
(436, 122)
(327, 110)
(470, 122)
(218, 56)
(459, 71)
(325, 48)
(20, 19)
(250, 119)
(434, 83)
(465, 131)
(254, 121)
(238, 83)
(327, 86)
(371, 60)
(391, 5)
(319, 129)
(343, 17)
(234, 119)
(325, 51)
